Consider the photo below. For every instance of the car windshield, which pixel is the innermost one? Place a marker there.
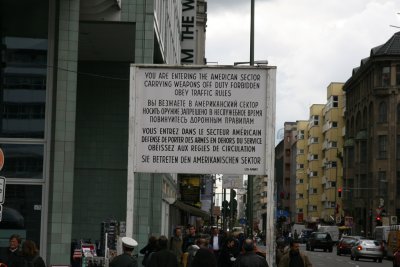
(371, 243)
(348, 241)
(321, 236)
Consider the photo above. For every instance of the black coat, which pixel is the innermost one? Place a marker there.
(204, 257)
(124, 260)
(226, 255)
(250, 259)
(14, 259)
(163, 258)
(36, 261)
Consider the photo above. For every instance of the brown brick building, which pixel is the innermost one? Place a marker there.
(372, 140)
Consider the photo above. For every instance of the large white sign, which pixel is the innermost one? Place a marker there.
(200, 119)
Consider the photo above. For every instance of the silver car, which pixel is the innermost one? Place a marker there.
(370, 249)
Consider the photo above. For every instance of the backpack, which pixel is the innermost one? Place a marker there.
(146, 258)
(31, 263)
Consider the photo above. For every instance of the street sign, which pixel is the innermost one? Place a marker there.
(2, 189)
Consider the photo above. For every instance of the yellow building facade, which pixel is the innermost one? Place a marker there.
(319, 150)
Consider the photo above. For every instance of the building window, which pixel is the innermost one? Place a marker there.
(398, 183)
(334, 124)
(300, 152)
(385, 76)
(23, 161)
(335, 101)
(314, 119)
(300, 166)
(314, 140)
(313, 174)
(363, 152)
(398, 147)
(382, 113)
(398, 113)
(398, 74)
(332, 144)
(313, 191)
(300, 136)
(382, 146)
(382, 183)
(17, 215)
(312, 208)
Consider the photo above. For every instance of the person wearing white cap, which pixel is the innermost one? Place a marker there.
(126, 259)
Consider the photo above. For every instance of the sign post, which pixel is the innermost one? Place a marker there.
(2, 189)
(2, 195)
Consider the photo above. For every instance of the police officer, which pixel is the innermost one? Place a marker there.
(126, 259)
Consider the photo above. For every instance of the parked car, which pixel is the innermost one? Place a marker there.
(345, 244)
(366, 248)
(304, 235)
(320, 240)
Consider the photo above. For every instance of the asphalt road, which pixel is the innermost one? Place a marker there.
(319, 258)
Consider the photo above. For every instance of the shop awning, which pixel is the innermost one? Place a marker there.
(192, 210)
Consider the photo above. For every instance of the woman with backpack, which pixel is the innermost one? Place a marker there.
(149, 249)
(30, 253)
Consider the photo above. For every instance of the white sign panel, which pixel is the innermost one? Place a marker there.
(2, 189)
(199, 119)
(232, 181)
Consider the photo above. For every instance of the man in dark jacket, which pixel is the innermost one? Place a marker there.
(163, 257)
(250, 258)
(189, 239)
(13, 256)
(294, 258)
(126, 259)
(229, 253)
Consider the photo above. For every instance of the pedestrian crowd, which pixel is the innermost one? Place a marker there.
(21, 254)
(212, 249)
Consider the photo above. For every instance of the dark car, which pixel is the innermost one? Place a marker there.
(304, 235)
(345, 244)
(320, 240)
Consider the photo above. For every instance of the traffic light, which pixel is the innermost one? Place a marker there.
(378, 220)
(339, 191)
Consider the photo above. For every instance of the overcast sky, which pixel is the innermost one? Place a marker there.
(311, 42)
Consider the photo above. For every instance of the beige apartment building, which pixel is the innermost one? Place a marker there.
(301, 173)
(318, 161)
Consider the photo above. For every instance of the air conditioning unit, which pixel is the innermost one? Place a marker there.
(393, 219)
